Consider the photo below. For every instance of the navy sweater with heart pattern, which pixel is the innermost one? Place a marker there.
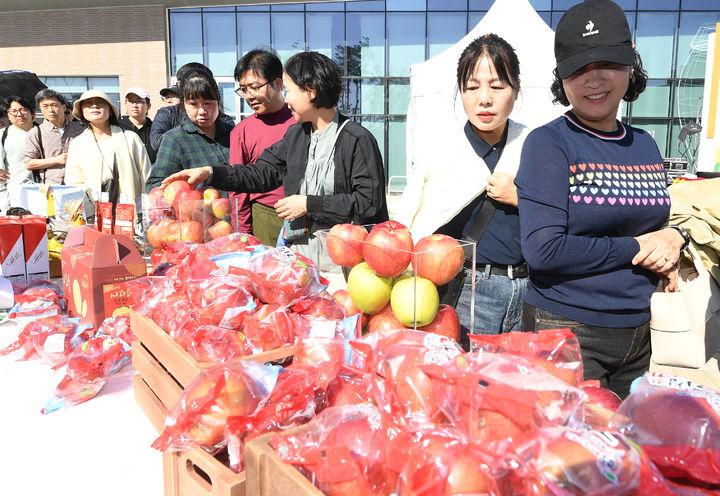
(583, 195)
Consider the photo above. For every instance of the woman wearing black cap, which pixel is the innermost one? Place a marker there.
(593, 202)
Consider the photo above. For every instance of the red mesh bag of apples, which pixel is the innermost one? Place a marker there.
(281, 276)
(568, 461)
(557, 351)
(678, 424)
(213, 344)
(199, 417)
(293, 402)
(217, 301)
(338, 450)
(493, 397)
(397, 356)
(269, 327)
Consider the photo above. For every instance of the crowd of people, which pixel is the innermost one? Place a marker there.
(570, 219)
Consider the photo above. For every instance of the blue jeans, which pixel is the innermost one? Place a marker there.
(614, 356)
(498, 303)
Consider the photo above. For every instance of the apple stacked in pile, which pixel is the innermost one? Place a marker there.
(183, 213)
(381, 285)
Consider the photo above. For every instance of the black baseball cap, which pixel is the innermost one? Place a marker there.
(172, 89)
(592, 31)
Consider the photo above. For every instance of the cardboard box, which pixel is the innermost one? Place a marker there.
(93, 266)
(35, 242)
(12, 256)
(267, 475)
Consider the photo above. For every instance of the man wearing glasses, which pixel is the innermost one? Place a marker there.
(46, 146)
(137, 105)
(259, 78)
(21, 112)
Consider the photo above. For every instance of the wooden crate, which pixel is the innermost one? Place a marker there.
(179, 363)
(267, 475)
(189, 473)
(161, 383)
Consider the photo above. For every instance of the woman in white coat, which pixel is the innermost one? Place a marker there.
(451, 196)
(105, 158)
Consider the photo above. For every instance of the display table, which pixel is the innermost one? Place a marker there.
(99, 447)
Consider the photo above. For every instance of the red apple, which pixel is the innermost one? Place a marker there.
(438, 257)
(172, 189)
(343, 298)
(219, 229)
(157, 197)
(466, 476)
(152, 236)
(187, 203)
(601, 396)
(220, 207)
(388, 248)
(157, 256)
(445, 323)
(171, 233)
(191, 230)
(384, 320)
(210, 194)
(344, 244)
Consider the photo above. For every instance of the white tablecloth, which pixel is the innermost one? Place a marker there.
(101, 447)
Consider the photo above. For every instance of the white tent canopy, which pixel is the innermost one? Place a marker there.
(435, 115)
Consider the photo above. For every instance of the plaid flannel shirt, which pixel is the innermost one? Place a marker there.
(186, 147)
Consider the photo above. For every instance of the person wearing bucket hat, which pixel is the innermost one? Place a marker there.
(105, 158)
(593, 203)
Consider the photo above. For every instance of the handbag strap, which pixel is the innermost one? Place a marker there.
(482, 219)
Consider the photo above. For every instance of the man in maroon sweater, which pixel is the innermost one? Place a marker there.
(259, 76)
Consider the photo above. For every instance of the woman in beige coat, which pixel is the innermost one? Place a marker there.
(105, 158)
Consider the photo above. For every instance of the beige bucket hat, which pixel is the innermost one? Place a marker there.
(77, 105)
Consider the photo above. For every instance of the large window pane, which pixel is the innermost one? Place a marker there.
(366, 42)
(405, 5)
(186, 40)
(253, 31)
(369, 5)
(474, 18)
(399, 98)
(654, 101)
(406, 42)
(658, 4)
(220, 44)
(698, 5)
(444, 30)
(324, 6)
(447, 4)
(325, 33)
(657, 129)
(285, 7)
(480, 4)
(396, 143)
(540, 4)
(365, 96)
(66, 84)
(288, 35)
(228, 99)
(655, 32)
(692, 42)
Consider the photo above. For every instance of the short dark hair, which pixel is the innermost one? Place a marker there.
(200, 87)
(49, 93)
(638, 82)
(193, 68)
(314, 71)
(502, 54)
(26, 102)
(266, 63)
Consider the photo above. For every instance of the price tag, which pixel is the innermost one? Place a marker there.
(55, 343)
(322, 328)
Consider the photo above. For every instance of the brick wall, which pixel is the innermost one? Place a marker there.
(124, 42)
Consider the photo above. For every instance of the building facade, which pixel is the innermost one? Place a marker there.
(374, 42)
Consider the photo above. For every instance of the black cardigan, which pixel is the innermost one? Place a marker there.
(359, 195)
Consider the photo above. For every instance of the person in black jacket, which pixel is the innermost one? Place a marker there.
(330, 167)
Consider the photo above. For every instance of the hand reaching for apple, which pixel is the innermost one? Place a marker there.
(501, 188)
(291, 207)
(192, 176)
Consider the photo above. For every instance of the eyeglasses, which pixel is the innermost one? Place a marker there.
(19, 111)
(135, 102)
(244, 90)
